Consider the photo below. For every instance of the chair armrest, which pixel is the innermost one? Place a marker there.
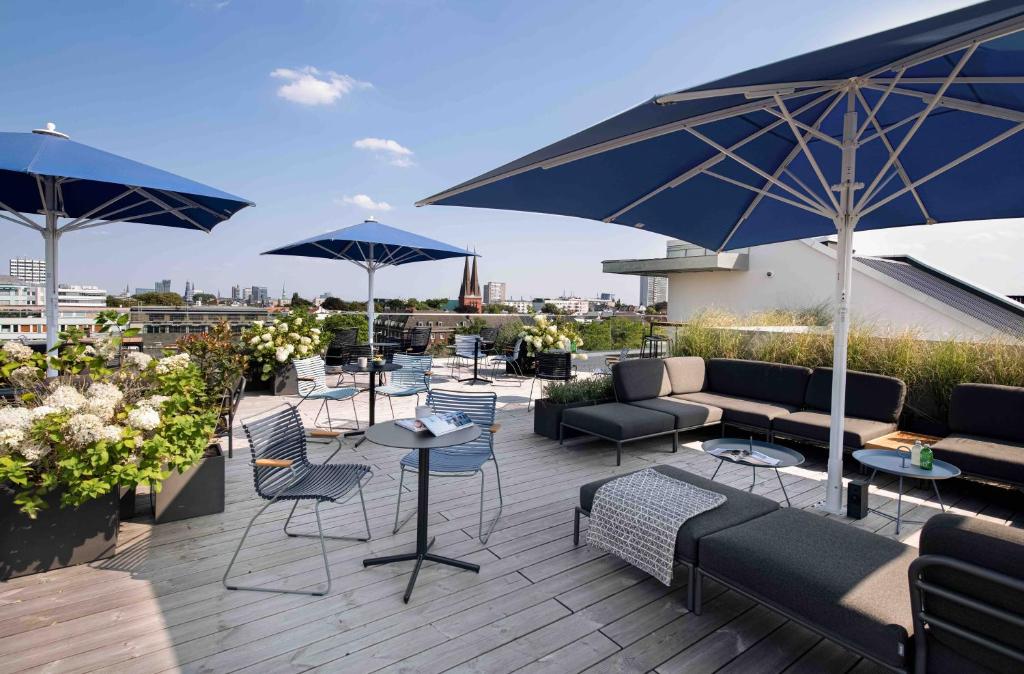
(274, 463)
(306, 379)
(495, 428)
(428, 373)
(323, 433)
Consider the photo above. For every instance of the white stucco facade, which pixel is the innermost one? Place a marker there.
(801, 274)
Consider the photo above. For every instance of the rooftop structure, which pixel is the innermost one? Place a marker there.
(28, 270)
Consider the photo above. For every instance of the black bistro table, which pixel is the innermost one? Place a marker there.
(374, 370)
(477, 352)
(785, 456)
(389, 434)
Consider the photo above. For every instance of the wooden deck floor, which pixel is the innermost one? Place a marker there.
(538, 604)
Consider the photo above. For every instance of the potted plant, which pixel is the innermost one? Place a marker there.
(270, 348)
(547, 415)
(70, 443)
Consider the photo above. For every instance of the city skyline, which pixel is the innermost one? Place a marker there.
(340, 120)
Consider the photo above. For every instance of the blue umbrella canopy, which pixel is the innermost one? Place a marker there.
(910, 126)
(47, 173)
(372, 245)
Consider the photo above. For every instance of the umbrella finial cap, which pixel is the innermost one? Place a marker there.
(50, 130)
(370, 218)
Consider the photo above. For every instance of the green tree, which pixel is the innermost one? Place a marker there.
(121, 301)
(204, 298)
(160, 299)
(300, 302)
(550, 308)
(498, 309)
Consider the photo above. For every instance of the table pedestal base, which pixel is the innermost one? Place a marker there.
(898, 519)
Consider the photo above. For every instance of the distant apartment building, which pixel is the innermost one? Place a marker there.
(258, 296)
(24, 305)
(607, 297)
(520, 306)
(494, 292)
(79, 295)
(236, 293)
(163, 286)
(189, 295)
(28, 270)
(653, 289)
(569, 305)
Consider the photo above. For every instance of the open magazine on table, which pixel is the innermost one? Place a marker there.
(437, 424)
(746, 456)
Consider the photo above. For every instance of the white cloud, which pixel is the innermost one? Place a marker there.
(396, 153)
(310, 86)
(365, 202)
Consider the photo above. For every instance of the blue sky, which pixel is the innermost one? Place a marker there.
(268, 100)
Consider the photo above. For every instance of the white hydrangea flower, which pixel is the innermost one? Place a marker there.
(103, 399)
(168, 364)
(84, 428)
(137, 360)
(33, 451)
(42, 411)
(88, 350)
(111, 433)
(305, 340)
(298, 321)
(315, 332)
(257, 324)
(17, 350)
(12, 438)
(254, 341)
(154, 401)
(24, 376)
(270, 329)
(144, 418)
(267, 336)
(65, 397)
(107, 346)
(15, 417)
(281, 354)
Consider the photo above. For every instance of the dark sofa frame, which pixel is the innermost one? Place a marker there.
(618, 443)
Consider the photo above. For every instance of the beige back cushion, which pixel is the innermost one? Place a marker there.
(685, 374)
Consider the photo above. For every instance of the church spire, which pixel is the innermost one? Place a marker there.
(474, 284)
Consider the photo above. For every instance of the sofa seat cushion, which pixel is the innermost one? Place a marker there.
(815, 426)
(848, 582)
(687, 414)
(619, 421)
(985, 457)
(745, 411)
(739, 507)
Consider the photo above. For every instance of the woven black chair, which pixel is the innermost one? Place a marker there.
(487, 338)
(229, 401)
(419, 340)
(554, 366)
(339, 352)
(282, 471)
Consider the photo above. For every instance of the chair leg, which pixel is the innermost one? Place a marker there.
(530, 404)
(691, 591)
(321, 534)
(576, 527)
(501, 502)
(675, 443)
(398, 506)
(323, 549)
(618, 453)
(392, 406)
(355, 412)
(698, 592)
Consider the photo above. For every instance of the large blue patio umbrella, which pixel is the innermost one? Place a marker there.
(45, 173)
(372, 245)
(915, 125)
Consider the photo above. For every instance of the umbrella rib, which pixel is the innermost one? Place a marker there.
(888, 129)
(614, 143)
(19, 218)
(782, 167)
(805, 188)
(802, 141)
(194, 204)
(171, 210)
(89, 216)
(897, 164)
(707, 163)
(945, 167)
(752, 188)
(324, 248)
(959, 104)
(812, 131)
(872, 112)
(870, 191)
(743, 162)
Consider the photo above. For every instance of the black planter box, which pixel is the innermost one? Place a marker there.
(547, 417)
(58, 537)
(196, 492)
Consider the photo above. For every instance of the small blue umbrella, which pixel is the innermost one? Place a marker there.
(46, 173)
(910, 126)
(372, 245)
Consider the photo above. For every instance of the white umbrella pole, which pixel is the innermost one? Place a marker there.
(369, 304)
(845, 224)
(51, 237)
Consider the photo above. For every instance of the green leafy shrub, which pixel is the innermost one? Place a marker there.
(337, 322)
(218, 355)
(269, 346)
(508, 333)
(580, 390)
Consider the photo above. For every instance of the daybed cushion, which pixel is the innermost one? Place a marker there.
(844, 580)
(756, 380)
(687, 414)
(868, 396)
(815, 426)
(743, 411)
(686, 374)
(640, 379)
(987, 410)
(619, 421)
(739, 507)
(993, 546)
(984, 457)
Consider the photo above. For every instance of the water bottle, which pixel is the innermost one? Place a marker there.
(927, 457)
(915, 453)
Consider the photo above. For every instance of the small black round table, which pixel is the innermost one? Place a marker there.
(374, 369)
(389, 434)
(785, 456)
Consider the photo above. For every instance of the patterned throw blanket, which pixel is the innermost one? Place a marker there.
(637, 518)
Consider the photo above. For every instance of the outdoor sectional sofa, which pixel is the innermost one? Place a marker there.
(666, 396)
(953, 606)
(986, 440)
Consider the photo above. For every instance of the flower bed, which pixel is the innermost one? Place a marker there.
(270, 346)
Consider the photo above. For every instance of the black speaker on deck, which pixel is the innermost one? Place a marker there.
(857, 500)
